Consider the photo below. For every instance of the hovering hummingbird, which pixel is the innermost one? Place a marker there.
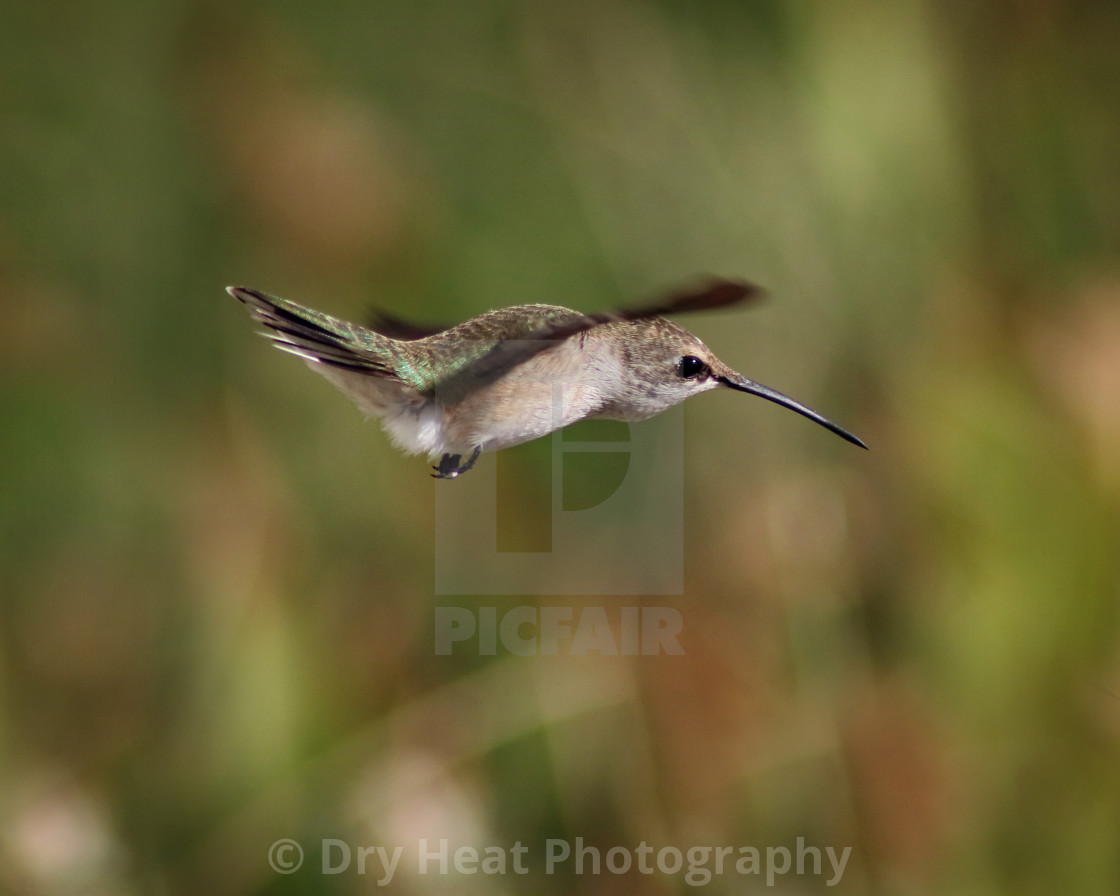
(515, 374)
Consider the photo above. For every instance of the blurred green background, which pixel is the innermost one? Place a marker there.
(217, 592)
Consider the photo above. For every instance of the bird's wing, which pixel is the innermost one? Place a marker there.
(508, 354)
(716, 293)
(318, 337)
(397, 328)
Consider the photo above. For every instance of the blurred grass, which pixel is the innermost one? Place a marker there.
(215, 620)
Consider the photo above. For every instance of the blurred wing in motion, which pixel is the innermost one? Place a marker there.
(507, 355)
(397, 328)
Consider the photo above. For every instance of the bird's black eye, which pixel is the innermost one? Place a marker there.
(690, 366)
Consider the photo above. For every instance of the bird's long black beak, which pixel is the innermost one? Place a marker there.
(745, 385)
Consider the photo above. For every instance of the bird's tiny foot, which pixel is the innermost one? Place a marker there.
(450, 467)
(470, 460)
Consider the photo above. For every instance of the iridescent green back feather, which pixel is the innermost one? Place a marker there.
(430, 364)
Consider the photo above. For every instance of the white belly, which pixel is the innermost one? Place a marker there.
(418, 429)
(415, 425)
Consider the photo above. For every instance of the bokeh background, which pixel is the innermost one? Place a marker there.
(217, 580)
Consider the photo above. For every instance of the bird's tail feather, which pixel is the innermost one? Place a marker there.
(312, 335)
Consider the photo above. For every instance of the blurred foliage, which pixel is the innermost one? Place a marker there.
(216, 623)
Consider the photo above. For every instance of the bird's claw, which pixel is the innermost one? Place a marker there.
(447, 468)
(450, 467)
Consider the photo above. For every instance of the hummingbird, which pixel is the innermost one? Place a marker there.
(514, 374)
